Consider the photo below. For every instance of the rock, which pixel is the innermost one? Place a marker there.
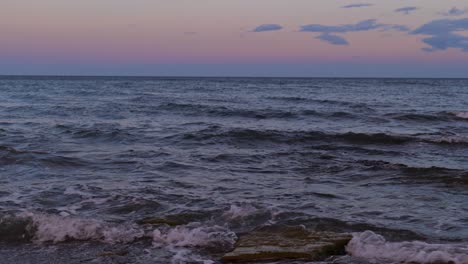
(15, 229)
(277, 243)
(158, 221)
(110, 254)
(175, 219)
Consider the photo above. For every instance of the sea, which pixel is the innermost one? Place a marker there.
(175, 170)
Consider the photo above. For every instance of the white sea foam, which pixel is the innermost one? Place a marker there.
(373, 247)
(182, 240)
(236, 212)
(72, 190)
(183, 256)
(71, 209)
(243, 211)
(460, 114)
(194, 235)
(451, 140)
(54, 228)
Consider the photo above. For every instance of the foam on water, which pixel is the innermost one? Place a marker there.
(236, 211)
(461, 114)
(374, 247)
(450, 140)
(182, 240)
(183, 256)
(53, 228)
(195, 235)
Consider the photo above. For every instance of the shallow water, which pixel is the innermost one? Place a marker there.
(84, 161)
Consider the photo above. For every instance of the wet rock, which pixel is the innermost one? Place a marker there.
(277, 243)
(176, 219)
(113, 253)
(14, 229)
(140, 206)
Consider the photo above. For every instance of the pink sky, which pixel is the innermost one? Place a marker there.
(216, 32)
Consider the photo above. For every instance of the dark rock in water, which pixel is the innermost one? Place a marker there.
(14, 229)
(140, 206)
(280, 243)
(159, 221)
(113, 253)
(176, 219)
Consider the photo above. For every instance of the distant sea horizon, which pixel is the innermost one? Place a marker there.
(217, 77)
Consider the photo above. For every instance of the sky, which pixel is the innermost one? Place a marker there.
(303, 38)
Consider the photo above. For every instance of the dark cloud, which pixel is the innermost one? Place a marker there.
(442, 26)
(406, 10)
(401, 28)
(329, 32)
(365, 25)
(443, 34)
(455, 12)
(267, 27)
(357, 5)
(333, 39)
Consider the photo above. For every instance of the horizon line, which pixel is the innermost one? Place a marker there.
(216, 77)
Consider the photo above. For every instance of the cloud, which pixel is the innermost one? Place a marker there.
(365, 25)
(455, 12)
(333, 39)
(442, 26)
(357, 5)
(328, 33)
(267, 27)
(400, 28)
(406, 10)
(443, 34)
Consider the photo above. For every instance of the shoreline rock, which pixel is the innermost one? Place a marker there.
(275, 243)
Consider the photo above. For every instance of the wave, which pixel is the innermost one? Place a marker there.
(183, 241)
(297, 99)
(420, 117)
(289, 98)
(186, 241)
(449, 140)
(239, 212)
(41, 228)
(460, 114)
(10, 150)
(10, 155)
(223, 111)
(429, 116)
(411, 174)
(216, 134)
(377, 138)
(215, 238)
(376, 248)
(106, 132)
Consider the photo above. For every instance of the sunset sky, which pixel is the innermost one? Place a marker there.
(414, 38)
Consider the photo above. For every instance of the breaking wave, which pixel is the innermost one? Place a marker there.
(371, 246)
(216, 134)
(462, 115)
(216, 238)
(42, 228)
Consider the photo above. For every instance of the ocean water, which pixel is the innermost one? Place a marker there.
(86, 163)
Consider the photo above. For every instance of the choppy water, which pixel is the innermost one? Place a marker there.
(84, 162)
